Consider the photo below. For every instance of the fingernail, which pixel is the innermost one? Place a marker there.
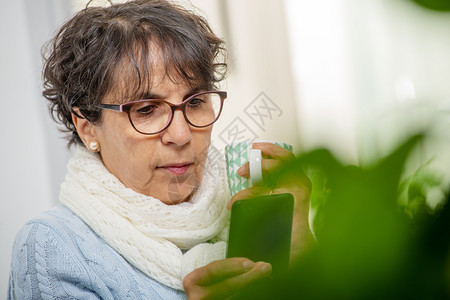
(266, 268)
(239, 171)
(248, 264)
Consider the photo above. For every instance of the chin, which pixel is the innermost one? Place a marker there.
(178, 193)
(176, 198)
(180, 189)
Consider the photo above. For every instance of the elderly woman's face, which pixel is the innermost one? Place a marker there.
(168, 165)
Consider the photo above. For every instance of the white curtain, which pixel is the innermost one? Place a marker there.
(370, 72)
(32, 156)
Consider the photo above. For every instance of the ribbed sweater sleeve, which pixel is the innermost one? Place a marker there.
(46, 267)
(57, 256)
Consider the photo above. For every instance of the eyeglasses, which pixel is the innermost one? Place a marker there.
(152, 116)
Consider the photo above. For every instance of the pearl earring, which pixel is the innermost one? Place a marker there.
(93, 146)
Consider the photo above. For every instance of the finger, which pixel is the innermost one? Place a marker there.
(236, 284)
(219, 270)
(244, 170)
(274, 151)
(248, 193)
(260, 270)
(269, 151)
(267, 165)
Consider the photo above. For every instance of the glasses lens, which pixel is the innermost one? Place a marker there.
(150, 116)
(204, 109)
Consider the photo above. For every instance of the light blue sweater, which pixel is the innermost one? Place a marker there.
(57, 256)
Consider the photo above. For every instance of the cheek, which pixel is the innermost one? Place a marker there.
(134, 165)
(141, 157)
(202, 138)
(202, 142)
(125, 153)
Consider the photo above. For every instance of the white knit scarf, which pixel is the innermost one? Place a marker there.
(146, 232)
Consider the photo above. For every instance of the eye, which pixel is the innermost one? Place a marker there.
(196, 102)
(146, 108)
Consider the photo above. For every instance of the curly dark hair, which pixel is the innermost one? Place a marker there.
(84, 61)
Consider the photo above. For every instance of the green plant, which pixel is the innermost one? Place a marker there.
(439, 5)
(368, 246)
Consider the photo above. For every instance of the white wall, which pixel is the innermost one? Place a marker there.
(321, 58)
(401, 63)
(32, 158)
(367, 73)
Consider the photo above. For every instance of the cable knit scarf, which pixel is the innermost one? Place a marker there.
(146, 232)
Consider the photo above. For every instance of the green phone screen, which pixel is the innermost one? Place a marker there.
(261, 229)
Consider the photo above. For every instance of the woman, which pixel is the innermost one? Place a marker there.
(144, 210)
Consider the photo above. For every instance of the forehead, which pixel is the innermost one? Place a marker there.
(148, 69)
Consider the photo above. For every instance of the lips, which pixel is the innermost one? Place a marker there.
(177, 169)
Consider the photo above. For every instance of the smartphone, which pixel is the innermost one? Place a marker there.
(261, 229)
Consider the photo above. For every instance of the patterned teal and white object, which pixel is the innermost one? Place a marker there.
(237, 154)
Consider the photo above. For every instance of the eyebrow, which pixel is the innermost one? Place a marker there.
(150, 95)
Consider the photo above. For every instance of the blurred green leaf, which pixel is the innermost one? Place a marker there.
(368, 247)
(438, 5)
(414, 190)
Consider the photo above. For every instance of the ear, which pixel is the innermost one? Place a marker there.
(85, 129)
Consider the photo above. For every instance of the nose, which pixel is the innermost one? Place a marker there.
(178, 132)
